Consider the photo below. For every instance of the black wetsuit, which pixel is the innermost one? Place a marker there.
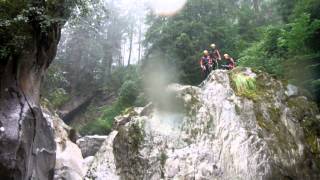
(206, 62)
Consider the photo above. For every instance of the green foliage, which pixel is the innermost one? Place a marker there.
(100, 127)
(55, 78)
(285, 8)
(130, 94)
(103, 124)
(287, 49)
(163, 158)
(290, 50)
(304, 111)
(182, 38)
(299, 31)
(21, 22)
(244, 85)
(111, 112)
(141, 100)
(122, 74)
(266, 53)
(136, 136)
(21, 19)
(128, 83)
(58, 97)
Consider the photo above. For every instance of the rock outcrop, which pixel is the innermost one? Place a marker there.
(69, 162)
(90, 145)
(237, 125)
(103, 166)
(26, 140)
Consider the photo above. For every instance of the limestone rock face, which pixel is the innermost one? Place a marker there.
(237, 125)
(103, 166)
(69, 164)
(27, 147)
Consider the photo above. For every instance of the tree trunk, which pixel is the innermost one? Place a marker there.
(256, 5)
(108, 60)
(140, 35)
(220, 9)
(130, 45)
(27, 146)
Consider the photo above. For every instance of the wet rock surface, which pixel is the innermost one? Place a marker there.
(27, 147)
(224, 130)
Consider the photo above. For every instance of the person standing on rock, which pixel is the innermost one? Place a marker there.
(230, 62)
(215, 56)
(205, 64)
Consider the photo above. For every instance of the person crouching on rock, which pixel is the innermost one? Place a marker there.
(205, 64)
(230, 62)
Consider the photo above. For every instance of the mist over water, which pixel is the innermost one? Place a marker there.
(157, 76)
(165, 123)
(169, 111)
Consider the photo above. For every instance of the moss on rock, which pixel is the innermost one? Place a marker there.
(305, 112)
(238, 109)
(244, 85)
(136, 135)
(163, 158)
(274, 114)
(269, 121)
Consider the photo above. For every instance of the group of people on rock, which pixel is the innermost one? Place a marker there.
(211, 60)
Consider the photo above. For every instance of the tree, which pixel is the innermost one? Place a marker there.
(90, 49)
(286, 8)
(290, 48)
(131, 42)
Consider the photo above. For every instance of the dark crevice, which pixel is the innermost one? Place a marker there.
(32, 113)
(70, 117)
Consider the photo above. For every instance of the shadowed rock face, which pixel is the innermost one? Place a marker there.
(27, 147)
(226, 131)
(26, 141)
(90, 145)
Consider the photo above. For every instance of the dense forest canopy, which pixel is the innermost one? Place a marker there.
(279, 36)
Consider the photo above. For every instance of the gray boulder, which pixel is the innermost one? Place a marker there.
(90, 145)
(103, 165)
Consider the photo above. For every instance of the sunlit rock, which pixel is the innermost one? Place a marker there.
(236, 125)
(292, 90)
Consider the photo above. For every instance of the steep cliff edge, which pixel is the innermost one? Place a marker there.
(236, 125)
